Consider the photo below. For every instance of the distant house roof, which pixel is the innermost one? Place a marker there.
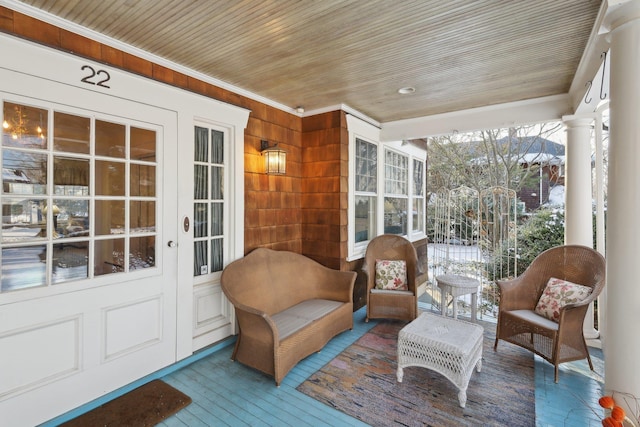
(530, 149)
(14, 175)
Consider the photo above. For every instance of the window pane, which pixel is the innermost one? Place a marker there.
(23, 126)
(110, 139)
(418, 214)
(143, 250)
(70, 262)
(396, 172)
(71, 133)
(142, 217)
(71, 217)
(143, 180)
(23, 267)
(24, 172)
(23, 220)
(109, 178)
(418, 178)
(143, 145)
(366, 166)
(200, 220)
(109, 217)
(365, 218)
(395, 216)
(109, 257)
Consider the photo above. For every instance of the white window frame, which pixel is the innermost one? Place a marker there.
(360, 129)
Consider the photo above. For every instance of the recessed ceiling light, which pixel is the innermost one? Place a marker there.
(406, 90)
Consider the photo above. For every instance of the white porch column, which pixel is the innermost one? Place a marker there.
(621, 343)
(578, 195)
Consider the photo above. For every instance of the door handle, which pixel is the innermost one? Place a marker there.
(172, 244)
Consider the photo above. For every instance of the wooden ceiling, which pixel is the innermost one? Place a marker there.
(457, 54)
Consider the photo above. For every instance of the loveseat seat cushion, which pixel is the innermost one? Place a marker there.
(300, 315)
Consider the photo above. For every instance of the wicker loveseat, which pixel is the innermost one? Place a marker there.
(287, 306)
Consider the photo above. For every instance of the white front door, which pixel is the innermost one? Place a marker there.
(88, 262)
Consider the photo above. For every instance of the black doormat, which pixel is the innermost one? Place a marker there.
(144, 406)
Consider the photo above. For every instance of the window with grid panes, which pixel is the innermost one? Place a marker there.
(78, 196)
(396, 194)
(417, 197)
(366, 190)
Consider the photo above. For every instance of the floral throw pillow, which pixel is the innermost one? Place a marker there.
(557, 294)
(391, 275)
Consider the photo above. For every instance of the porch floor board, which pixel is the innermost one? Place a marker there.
(228, 393)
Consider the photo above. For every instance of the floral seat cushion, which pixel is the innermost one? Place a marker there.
(391, 275)
(557, 294)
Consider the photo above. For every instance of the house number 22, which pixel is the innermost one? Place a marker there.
(93, 77)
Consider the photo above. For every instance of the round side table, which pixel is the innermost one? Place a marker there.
(457, 285)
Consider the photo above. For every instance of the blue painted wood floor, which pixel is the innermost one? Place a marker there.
(228, 393)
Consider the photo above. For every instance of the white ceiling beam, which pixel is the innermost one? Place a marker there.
(511, 114)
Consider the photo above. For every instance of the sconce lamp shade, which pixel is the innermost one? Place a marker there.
(275, 159)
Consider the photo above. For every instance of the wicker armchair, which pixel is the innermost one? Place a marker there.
(402, 305)
(519, 324)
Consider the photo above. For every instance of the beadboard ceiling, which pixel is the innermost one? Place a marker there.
(457, 54)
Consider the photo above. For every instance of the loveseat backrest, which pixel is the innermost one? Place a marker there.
(271, 281)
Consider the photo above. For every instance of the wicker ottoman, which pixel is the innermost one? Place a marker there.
(449, 346)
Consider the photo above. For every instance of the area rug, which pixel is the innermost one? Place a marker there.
(361, 382)
(144, 406)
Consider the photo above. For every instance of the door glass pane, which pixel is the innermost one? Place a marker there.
(143, 144)
(109, 178)
(216, 183)
(200, 265)
(23, 267)
(70, 262)
(217, 219)
(108, 257)
(109, 217)
(200, 190)
(216, 255)
(200, 222)
(143, 254)
(70, 176)
(143, 180)
(71, 133)
(24, 172)
(217, 147)
(142, 217)
(23, 220)
(72, 219)
(201, 144)
(110, 139)
(24, 126)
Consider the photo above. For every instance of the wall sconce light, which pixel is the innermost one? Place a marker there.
(275, 159)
